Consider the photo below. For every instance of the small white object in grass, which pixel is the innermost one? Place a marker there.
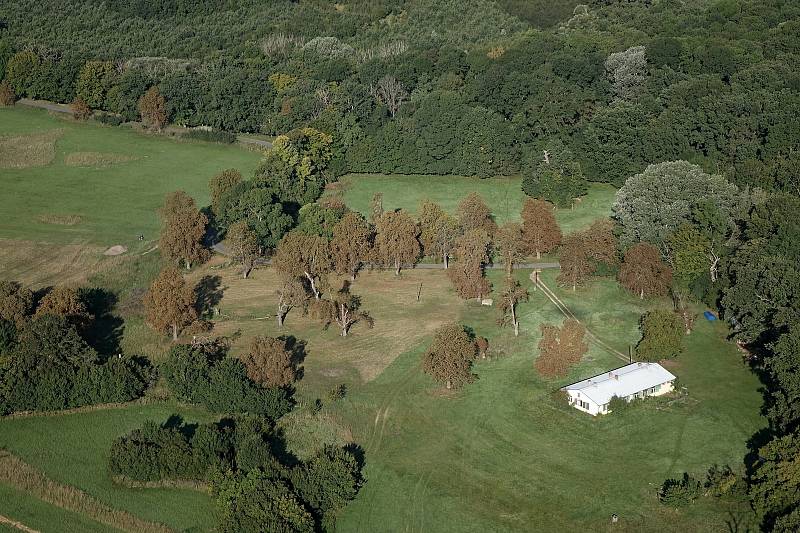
(487, 301)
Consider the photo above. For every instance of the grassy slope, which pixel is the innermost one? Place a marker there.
(505, 456)
(41, 516)
(503, 195)
(117, 202)
(73, 449)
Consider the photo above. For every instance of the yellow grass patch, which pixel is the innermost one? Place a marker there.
(42, 264)
(401, 322)
(27, 151)
(59, 220)
(96, 159)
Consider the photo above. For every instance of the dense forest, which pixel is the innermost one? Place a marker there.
(689, 107)
(432, 87)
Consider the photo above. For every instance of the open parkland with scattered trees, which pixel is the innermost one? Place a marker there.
(334, 279)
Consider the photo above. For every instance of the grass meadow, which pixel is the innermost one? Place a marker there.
(66, 182)
(73, 449)
(503, 195)
(505, 454)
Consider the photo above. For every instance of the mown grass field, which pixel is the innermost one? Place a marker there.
(505, 454)
(41, 516)
(94, 184)
(73, 449)
(504, 196)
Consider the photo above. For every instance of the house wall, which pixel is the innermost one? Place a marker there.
(575, 399)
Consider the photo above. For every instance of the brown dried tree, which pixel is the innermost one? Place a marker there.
(601, 243)
(351, 244)
(450, 356)
(396, 240)
(153, 109)
(7, 96)
(560, 348)
(300, 255)
(182, 230)
(291, 294)
(169, 303)
(438, 231)
(539, 227)
(511, 245)
(473, 213)
(574, 260)
(16, 302)
(643, 272)
(221, 184)
(80, 109)
(67, 302)
(270, 362)
(467, 274)
(513, 293)
(243, 244)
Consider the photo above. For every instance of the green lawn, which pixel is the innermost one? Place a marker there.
(503, 195)
(73, 449)
(41, 516)
(115, 202)
(504, 455)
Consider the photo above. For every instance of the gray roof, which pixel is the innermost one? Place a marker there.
(621, 382)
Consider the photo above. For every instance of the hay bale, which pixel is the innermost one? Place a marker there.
(28, 151)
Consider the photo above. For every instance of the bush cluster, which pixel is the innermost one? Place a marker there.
(50, 367)
(179, 451)
(216, 136)
(109, 119)
(220, 384)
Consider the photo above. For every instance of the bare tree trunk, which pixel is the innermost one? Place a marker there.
(641, 294)
(446, 261)
(396, 267)
(343, 319)
(514, 319)
(174, 332)
(188, 264)
(310, 279)
(538, 254)
(449, 384)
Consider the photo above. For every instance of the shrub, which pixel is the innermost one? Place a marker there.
(109, 119)
(679, 492)
(7, 96)
(216, 136)
(80, 110)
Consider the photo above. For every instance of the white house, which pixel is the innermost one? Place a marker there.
(635, 380)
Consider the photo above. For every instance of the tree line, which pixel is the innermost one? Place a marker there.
(614, 87)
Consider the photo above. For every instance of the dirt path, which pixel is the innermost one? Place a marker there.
(562, 307)
(15, 524)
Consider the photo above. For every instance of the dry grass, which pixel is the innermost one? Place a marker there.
(21, 475)
(401, 322)
(17, 525)
(27, 151)
(41, 264)
(96, 159)
(187, 484)
(60, 220)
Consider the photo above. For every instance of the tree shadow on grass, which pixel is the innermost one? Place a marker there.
(105, 332)
(208, 294)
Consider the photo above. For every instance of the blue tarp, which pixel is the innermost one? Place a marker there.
(709, 315)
